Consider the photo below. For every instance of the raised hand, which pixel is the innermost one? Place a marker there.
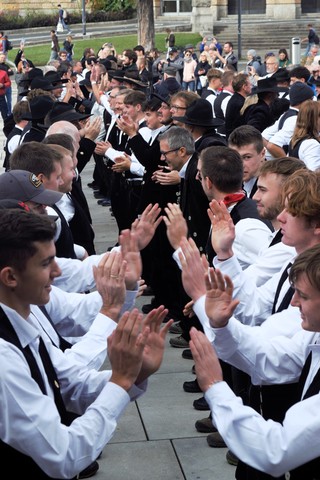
(131, 254)
(219, 303)
(127, 125)
(125, 349)
(194, 268)
(223, 230)
(92, 129)
(109, 276)
(154, 349)
(145, 226)
(176, 225)
(208, 368)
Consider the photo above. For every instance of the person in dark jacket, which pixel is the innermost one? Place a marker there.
(259, 115)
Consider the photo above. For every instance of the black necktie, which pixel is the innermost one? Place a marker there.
(63, 344)
(288, 296)
(53, 381)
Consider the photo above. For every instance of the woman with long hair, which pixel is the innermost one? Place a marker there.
(201, 72)
(283, 57)
(305, 141)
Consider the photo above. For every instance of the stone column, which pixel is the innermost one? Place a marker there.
(283, 9)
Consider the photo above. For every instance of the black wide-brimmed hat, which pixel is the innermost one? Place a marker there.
(86, 81)
(55, 78)
(134, 82)
(199, 113)
(39, 107)
(65, 111)
(162, 99)
(267, 85)
(281, 75)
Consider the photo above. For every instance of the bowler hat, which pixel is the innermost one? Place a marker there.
(199, 113)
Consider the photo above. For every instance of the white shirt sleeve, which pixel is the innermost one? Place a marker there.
(309, 153)
(251, 235)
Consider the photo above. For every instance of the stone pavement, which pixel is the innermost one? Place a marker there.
(155, 438)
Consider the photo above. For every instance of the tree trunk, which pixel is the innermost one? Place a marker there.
(146, 33)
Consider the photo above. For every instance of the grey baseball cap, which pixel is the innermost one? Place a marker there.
(25, 186)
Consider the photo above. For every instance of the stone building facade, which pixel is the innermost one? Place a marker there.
(204, 12)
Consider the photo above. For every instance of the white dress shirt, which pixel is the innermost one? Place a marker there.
(29, 420)
(269, 446)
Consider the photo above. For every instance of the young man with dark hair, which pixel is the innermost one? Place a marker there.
(44, 381)
(248, 142)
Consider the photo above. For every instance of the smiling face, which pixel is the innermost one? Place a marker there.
(33, 284)
(165, 114)
(173, 157)
(68, 173)
(307, 298)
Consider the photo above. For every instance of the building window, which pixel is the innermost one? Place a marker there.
(310, 6)
(247, 7)
(176, 6)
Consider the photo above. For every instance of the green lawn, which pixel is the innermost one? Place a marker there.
(39, 54)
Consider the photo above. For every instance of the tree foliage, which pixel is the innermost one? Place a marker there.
(113, 5)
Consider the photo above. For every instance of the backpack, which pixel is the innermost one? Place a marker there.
(65, 14)
(9, 44)
(316, 39)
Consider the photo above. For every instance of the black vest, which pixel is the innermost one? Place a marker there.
(12, 458)
(15, 131)
(64, 244)
(218, 110)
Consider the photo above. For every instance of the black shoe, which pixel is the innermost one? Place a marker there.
(215, 440)
(90, 470)
(231, 458)
(179, 342)
(205, 425)
(105, 203)
(175, 328)
(201, 404)
(187, 354)
(103, 200)
(99, 194)
(192, 387)
(93, 185)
